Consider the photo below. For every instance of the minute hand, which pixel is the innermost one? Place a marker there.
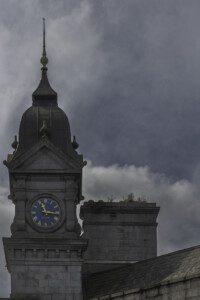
(52, 212)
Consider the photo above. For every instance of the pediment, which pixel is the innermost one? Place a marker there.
(45, 158)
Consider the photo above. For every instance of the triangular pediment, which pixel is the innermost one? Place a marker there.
(45, 157)
(45, 160)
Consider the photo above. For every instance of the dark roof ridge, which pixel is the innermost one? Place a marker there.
(146, 260)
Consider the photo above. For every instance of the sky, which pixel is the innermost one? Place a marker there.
(127, 74)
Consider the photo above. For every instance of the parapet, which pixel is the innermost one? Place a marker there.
(119, 212)
(119, 232)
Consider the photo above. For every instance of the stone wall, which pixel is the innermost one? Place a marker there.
(181, 290)
(118, 233)
(45, 269)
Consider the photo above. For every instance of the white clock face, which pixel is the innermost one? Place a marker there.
(45, 212)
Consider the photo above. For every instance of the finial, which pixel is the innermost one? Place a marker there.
(75, 145)
(14, 143)
(44, 59)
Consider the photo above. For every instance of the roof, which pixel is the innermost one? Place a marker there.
(44, 94)
(32, 128)
(167, 268)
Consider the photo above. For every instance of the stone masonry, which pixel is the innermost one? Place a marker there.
(118, 233)
(45, 269)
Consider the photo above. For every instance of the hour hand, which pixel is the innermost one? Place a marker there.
(44, 208)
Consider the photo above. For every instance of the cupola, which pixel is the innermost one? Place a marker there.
(44, 116)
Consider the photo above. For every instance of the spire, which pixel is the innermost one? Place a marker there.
(44, 59)
(44, 94)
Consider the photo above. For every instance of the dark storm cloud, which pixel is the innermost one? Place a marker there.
(145, 108)
(128, 75)
(131, 67)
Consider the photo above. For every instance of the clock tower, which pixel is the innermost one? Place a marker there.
(45, 251)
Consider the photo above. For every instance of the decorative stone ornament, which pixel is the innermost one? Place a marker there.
(44, 130)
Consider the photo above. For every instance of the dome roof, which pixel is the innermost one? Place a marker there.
(44, 120)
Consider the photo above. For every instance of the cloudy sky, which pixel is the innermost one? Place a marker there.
(127, 73)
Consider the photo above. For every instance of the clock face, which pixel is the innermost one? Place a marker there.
(45, 212)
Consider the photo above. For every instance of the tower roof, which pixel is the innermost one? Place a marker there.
(44, 117)
(44, 94)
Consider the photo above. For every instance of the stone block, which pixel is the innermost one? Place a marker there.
(45, 297)
(59, 297)
(43, 283)
(193, 292)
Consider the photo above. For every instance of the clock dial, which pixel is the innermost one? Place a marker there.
(45, 212)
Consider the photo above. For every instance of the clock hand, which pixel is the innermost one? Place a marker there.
(52, 212)
(44, 208)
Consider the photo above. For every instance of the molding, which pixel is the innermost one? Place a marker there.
(121, 207)
(46, 251)
(114, 223)
(109, 261)
(74, 162)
